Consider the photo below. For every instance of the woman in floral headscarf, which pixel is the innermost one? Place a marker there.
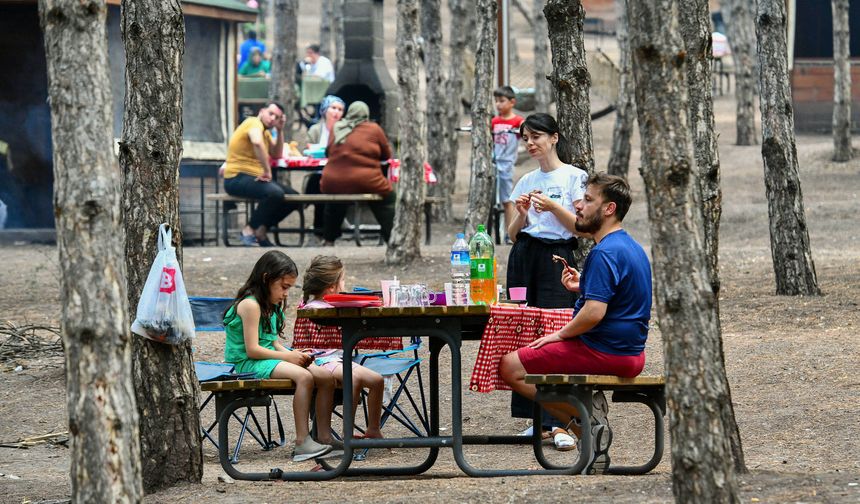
(355, 151)
(331, 110)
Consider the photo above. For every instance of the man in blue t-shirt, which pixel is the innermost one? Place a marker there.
(610, 322)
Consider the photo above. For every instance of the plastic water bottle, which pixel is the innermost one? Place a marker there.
(459, 271)
(483, 267)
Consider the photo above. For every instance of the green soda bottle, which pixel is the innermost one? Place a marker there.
(482, 264)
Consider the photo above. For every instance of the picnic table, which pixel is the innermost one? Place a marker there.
(444, 326)
(312, 164)
(500, 329)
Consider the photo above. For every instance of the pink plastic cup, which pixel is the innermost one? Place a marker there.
(517, 293)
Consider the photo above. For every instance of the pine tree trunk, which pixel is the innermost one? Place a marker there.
(482, 186)
(405, 243)
(571, 83)
(167, 397)
(437, 105)
(625, 108)
(696, 32)
(543, 89)
(103, 423)
(570, 78)
(453, 89)
(741, 28)
(789, 236)
(686, 308)
(841, 83)
(282, 87)
(338, 32)
(327, 7)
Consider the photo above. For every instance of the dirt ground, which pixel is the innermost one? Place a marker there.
(792, 361)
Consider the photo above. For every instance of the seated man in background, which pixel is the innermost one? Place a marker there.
(317, 64)
(248, 173)
(610, 319)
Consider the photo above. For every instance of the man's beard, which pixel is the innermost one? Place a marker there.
(591, 225)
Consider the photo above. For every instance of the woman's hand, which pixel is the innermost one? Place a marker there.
(543, 203)
(570, 279)
(550, 338)
(265, 177)
(522, 204)
(298, 358)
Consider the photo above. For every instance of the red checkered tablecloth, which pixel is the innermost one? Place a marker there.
(307, 334)
(510, 328)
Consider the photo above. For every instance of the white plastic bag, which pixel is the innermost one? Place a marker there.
(164, 312)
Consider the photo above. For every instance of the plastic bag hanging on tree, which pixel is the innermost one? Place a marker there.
(164, 312)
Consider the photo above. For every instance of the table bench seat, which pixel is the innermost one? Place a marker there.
(269, 385)
(309, 199)
(573, 389)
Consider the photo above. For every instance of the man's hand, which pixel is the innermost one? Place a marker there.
(280, 122)
(570, 279)
(551, 338)
(265, 177)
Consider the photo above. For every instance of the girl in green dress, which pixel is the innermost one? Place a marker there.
(253, 323)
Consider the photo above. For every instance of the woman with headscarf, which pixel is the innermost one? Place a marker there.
(331, 111)
(354, 153)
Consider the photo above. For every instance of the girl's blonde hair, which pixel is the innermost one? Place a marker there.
(323, 272)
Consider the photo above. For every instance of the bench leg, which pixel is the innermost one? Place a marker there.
(657, 403)
(356, 229)
(427, 218)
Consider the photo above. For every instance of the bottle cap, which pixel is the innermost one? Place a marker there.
(481, 228)
(460, 235)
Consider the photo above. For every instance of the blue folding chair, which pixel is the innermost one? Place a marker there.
(401, 368)
(208, 313)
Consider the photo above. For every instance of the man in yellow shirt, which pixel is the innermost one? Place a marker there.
(248, 174)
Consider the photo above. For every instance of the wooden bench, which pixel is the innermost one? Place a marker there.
(231, 395)
(578, 390)
(308, 199)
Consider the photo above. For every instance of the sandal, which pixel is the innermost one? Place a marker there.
(562, 440)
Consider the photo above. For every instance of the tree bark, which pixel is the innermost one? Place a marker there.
(105, 448)
(789, 236)
(571, 82)
(686, 308)
(153, 33)
(842, 150)
(625, 107)
(337, 15)
(696, 33)
(570, 78)
(482, 186)
(437, 105)
(457, 41)
(741, 28)
(282, 87)
(543, 89)
(326, 16)
(405, 243)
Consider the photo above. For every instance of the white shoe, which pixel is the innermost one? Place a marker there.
(309, 449)
(528, 432)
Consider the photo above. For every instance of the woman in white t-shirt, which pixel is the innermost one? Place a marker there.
(545, 217)
(543, 227)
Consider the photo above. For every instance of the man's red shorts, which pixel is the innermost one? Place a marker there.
(572, 356)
